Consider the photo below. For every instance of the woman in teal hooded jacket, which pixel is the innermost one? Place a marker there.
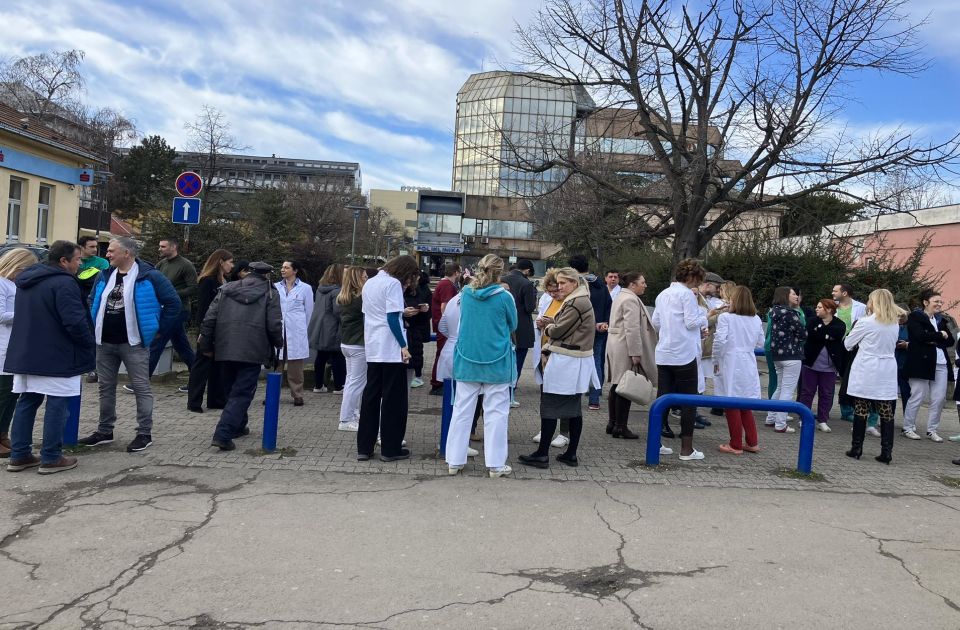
(484, 362)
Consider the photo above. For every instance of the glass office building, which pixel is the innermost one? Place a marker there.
(508, 119)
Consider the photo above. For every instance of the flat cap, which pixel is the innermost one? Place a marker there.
(260, 267)
(714, 278)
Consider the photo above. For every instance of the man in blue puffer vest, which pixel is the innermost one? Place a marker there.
(130, 303)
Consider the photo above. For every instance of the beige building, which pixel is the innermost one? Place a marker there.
(42, 176)
(400, 205)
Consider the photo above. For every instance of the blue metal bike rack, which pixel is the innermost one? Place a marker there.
(663, 404)
(271, 411)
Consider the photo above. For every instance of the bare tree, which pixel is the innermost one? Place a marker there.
(209, 137)
(740, 104)
(41, 84)
(906, 191)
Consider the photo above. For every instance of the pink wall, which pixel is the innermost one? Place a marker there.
(943, 254)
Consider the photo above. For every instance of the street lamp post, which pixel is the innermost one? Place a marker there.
(353, 240)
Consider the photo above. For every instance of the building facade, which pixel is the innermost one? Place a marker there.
(246, 173)
(43, 178)
(401, 206)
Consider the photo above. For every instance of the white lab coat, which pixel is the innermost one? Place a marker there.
(733, 344)
(449, 327)
(296, 306)
(873, 374)
(537, 352)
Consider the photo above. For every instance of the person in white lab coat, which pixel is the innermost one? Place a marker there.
(872, 383)
(296, 303)
(739, 332)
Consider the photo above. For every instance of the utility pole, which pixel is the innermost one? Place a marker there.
(353, 240)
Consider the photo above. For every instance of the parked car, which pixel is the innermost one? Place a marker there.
(38, 251)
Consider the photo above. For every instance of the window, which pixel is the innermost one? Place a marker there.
(43, 213)
(13, 210)
(412, 205)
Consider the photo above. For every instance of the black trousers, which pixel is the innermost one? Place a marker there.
(241, 380)
(383, 409)
(206, 375)
(338, 365)
(679, 379)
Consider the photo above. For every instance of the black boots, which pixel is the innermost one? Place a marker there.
(886, 442)
(623, 432)
(859, 430)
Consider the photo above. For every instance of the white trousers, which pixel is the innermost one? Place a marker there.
(920, 390)
(356, 360)
(496, 413)
(788, 375)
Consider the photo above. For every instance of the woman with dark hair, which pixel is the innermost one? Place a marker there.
(681, 326)
(739, 333)
(324, 331)
(204, 373)
(787, 336)
(383, 407)
(240, 270)
(416, 314)
(928, 364)
(823, 358)
(296, 304)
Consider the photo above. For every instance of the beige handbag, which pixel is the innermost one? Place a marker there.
(636, 388)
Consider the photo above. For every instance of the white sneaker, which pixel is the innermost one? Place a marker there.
(318, 390)
(873, 431)
(934, 437)
(560, 441)
(823, 426)
(910, 435)
(954, 438)
(692, 456)
(454, 470)
(666, 450)
(514, 404)
(536, 438)
(416, 382)
(503, 471)
(353, 425)
(472, 452)
(334, 391)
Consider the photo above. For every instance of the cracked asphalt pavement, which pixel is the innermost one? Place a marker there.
(182, 536)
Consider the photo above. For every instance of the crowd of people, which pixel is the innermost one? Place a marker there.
(77, 315)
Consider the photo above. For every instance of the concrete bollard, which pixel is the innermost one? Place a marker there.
(71, 429)
(271, 411)
(446, 414)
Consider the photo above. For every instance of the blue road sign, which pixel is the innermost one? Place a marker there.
(186, 210)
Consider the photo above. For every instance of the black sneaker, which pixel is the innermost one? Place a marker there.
(436, 391)
(224, 445)
(141, 442)
(96, 438)
(403, 454)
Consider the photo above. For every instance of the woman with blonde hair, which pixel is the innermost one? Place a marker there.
(350, 304)
(484, 362)
(568, 367)
(11, 264)
(872, 383)
(204, 373)
(323, 331)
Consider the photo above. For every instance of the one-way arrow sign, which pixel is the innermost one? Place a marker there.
(186, 210)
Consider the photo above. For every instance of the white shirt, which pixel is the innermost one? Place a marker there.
(8, 296)
(941, 357)
(678, 320)
(615, 291)
(382, 294)
(63, 386)
(449, 327)
(713, 302)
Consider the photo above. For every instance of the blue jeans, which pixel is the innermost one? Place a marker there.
(240, 383)
(599, 354)
(176, 334)
(54, 418)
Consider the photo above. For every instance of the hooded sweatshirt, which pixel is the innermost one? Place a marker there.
(485, 352)
(244, 323)
(52, 332)
(324, 328)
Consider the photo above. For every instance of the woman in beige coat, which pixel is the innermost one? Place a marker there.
(630, 345)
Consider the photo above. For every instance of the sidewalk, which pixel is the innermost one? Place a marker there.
(310, 442)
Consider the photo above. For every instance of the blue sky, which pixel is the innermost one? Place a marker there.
(362, 80)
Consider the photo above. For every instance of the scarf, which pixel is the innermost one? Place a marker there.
(129, 310)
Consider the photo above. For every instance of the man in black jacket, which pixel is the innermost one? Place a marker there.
(51, 345)
(525, 296)
(242, 330)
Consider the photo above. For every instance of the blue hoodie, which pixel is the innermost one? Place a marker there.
(485, 352)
